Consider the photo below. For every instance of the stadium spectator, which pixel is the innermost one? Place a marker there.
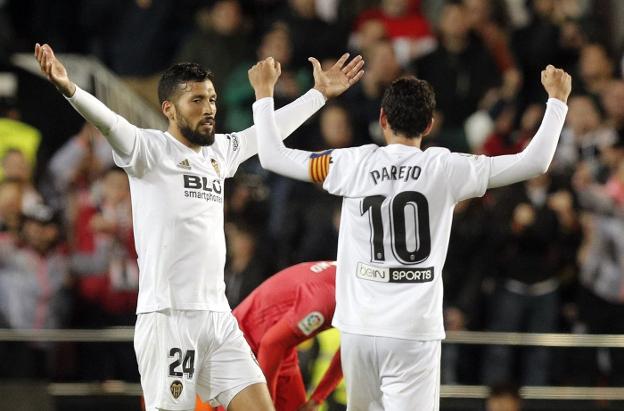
(11, 194)
(583, 139)
(509, 140)
(75, 166)
(536, 45)
(602, 268)
(362, 102)
(465, 269)
(246, 267)
(308, 33)
(220, 41)
(138, 39)
(531, 230)
(612, 98)
(34, 290)
(488, 20)
(16, 135)
(595, 68)
(461, 70)
(238, 95)
(16, 167)
(401, 22)
(103, 259)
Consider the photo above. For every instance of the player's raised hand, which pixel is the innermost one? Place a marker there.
(54, 70)
(339, 77)
(263, 75)
(558, 83)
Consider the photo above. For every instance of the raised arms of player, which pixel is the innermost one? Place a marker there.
(536, 157)
(503, 170)
(273, 154)
(119, 132)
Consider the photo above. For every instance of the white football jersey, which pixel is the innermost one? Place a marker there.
(394, 233)
(177, 204)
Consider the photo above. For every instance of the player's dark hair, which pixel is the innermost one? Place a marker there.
(179, 74)
(409, 104)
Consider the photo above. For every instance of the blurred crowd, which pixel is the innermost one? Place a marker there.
(543, 256)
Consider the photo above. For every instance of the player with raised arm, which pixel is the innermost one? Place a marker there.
(289, 308)
(186, 339)
(396, 218)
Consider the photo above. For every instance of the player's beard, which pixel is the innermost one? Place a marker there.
(196, 136)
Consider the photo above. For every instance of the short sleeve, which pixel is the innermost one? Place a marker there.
(230, 146)
(468, 175)
(344, 164)
(142, 157)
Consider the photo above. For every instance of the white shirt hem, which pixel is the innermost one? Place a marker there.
(389, 333)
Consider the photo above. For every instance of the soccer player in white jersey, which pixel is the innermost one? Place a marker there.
(396, 220)
(186, 339)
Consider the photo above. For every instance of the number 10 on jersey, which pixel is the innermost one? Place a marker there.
(400, 205)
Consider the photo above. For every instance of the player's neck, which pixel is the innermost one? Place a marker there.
(177, 134)
(393, 138)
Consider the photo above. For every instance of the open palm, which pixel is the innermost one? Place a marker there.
(339, 77)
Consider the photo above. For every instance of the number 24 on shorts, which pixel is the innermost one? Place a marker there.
(188, 364)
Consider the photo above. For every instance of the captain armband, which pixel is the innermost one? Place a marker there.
(319, 165)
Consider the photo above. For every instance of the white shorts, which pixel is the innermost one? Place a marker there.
(183, 353)
(390, 374)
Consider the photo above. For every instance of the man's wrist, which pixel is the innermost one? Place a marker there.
(263, 92)
(68, 91)
(321, 90)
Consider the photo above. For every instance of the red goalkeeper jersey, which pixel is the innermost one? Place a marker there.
(303, 295)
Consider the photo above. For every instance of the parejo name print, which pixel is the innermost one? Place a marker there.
(203, 188)
(400, 173)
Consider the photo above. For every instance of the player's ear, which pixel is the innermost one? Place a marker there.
(429, 127)
(383, 119)
(168, 109)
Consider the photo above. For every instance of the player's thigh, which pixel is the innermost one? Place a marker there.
(411, 374)
(291, 392)
(231, 367)
(361, 372)
(166, 351)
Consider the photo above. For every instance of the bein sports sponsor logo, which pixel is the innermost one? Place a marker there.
(372, 273)
(394, 275)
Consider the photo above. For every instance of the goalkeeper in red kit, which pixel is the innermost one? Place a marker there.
(292, 306)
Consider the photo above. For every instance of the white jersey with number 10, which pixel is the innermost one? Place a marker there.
(394, 233)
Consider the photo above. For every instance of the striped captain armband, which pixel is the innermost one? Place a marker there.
(319, 165)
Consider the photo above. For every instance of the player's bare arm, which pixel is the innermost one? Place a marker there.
(537, 156)
(274, 156)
